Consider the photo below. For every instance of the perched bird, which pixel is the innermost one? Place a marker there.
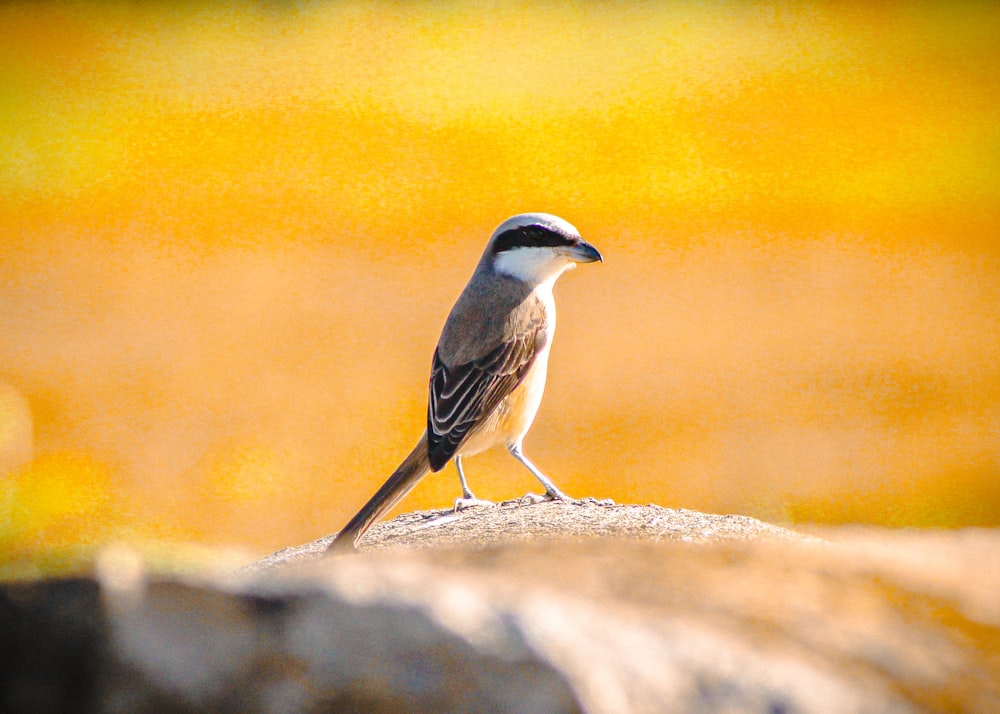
(489, 367)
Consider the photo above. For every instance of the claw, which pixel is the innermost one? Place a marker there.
(595, 501)
(530, 499)
(462, 503)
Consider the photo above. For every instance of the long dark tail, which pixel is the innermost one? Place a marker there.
(404, 478)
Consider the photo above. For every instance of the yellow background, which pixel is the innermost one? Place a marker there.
(231, 234)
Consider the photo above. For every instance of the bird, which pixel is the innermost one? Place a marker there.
(489, 367)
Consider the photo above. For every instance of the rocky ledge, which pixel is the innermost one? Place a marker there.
(527, 608)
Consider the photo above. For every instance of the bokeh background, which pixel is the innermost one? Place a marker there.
(231, 233)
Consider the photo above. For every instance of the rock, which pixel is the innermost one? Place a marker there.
(692, 613)
(523, 521)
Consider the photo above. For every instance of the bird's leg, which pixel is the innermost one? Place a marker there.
(466, 491)
(468, 498)
(552, 492)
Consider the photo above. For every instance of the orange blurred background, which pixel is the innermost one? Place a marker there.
(232, 232)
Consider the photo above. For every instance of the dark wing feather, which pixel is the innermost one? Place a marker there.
(463, 395)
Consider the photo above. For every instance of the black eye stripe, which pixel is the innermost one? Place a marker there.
(533, 235)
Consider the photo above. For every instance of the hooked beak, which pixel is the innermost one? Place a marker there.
(583, 252)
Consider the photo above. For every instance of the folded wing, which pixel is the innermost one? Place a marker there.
(462, 396)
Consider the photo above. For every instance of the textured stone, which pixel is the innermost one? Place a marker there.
(690, 613)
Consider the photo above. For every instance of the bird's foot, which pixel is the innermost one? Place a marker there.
(530, 499)
(470, 502)
(590, 500)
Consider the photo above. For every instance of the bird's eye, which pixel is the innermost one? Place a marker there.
(530, 236)
(546, 237)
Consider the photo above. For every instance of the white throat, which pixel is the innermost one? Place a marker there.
(533, 265)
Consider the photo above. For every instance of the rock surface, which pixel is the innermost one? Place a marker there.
(659, 611)
(513, 521)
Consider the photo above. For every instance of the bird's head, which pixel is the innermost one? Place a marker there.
(537, 248)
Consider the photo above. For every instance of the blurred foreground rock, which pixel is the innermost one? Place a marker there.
(689, 612)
